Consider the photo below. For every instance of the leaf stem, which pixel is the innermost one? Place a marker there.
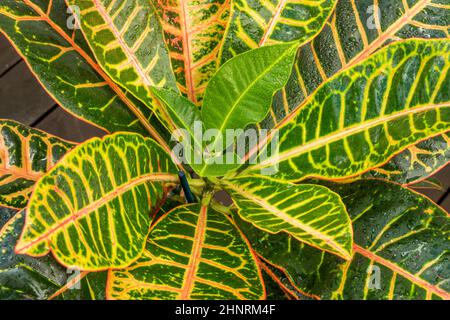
(186, 188)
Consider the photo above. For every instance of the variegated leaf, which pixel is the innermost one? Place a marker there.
(126, 38)
(278, 285)
(25, 156)
(93, 209)
(195, 253)
(6, 214)
(61, 60)
(356, 30)
(235, 97)
(257, 23)
(23, 277)
(194, 33)
(310, 213)
(415, 163)
(364, 115)
(401, 248)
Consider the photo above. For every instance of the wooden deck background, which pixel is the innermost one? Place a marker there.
(22, 99)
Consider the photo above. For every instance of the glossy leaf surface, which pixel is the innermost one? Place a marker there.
(356, 30)
(127, 40)
(61, 60)
(257, 23)
(92, 210)
(193, 31)
(25, 156)
(310, 213)
(192, 253)
(241, 92)
(400, 252)
(415, 163)
(361, 117)
(23, 277)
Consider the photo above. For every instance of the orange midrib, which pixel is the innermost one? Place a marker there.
(196, 254)
(23, 172)
(344, 133)
(272, 22)
(16, 172)
(262, 262)
(390, 32)
(154, 177)
(187, 51)
(95, 66)
(328, 240)
(123, 45)
(422, 283)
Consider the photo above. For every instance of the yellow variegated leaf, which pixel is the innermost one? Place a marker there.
(23, 277)
(127, 40)
(93, 209)
(356, 30)
(60, 58)
(193, 252)
(26, 154)
(257, 23)
(401, 249)
(310, 213)
(364, 115)
(416, 163)
(193, 32)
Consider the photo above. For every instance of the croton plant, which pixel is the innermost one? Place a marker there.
(350, 103)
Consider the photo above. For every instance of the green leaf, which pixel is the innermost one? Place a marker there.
(361, 117)
(257, 23)
(415, 163)
(240, 93)
(310, 213)
(195, 253)
(92, 210)
(62, 62)
(25, 156)
(183, 114)
(400, 252)
(194, 33)
(23, 277)
(191, 148)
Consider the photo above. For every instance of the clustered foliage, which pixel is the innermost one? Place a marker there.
(357, 94)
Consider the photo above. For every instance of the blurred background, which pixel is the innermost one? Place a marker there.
(23, 99)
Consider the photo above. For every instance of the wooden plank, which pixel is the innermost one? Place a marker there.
(66, 126)
(21, 96)
(8, 56)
